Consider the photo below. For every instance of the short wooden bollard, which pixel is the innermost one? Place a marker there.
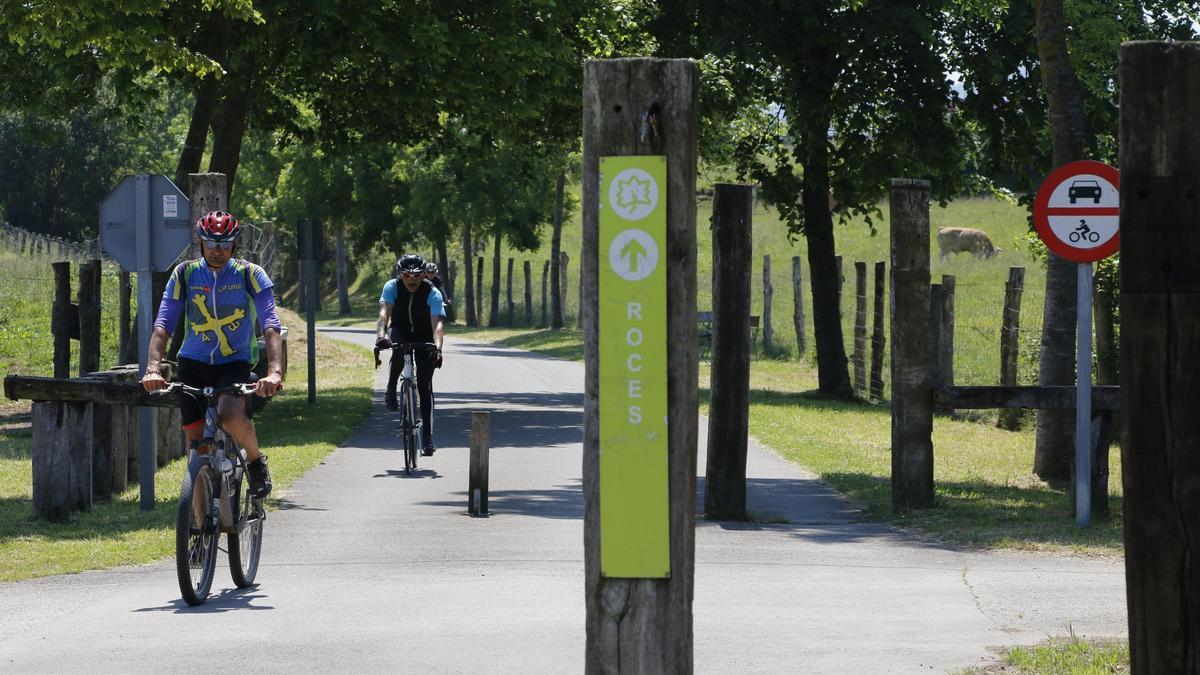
(477, 483)
(62, 459)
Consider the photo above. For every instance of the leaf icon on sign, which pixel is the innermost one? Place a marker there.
(633, 193)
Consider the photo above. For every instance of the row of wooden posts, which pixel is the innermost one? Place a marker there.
(507, 315)
(33, 244)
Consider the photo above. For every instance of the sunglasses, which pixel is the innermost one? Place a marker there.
(223, 245)
(411, 275)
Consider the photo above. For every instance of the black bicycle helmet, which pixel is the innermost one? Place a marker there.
(431, 267)
(409, 262)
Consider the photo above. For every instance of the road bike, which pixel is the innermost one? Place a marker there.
(214, 498)
(408, 398)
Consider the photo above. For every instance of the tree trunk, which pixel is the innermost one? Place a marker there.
(443, 263)
(556, 304)
(1056, 366)
(229, 122)
(469, 277)
(833, 374)
(494, 315)
(197, 135)
(343, 286)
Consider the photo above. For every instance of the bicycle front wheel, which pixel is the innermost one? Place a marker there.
(409, 424)
(196, 535)
(245, 540)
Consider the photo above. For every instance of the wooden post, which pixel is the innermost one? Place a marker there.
(946, 332)
(528, 293)
(60, 322)
(479, 290)
(62, 459)
(545, 294)
(563, 259)
(89, 317)
(126, 339)
(1160, 352)
(644, 625)
(860, 327)
(477, 485)
(877, 338)
(912, 393)
(935, 335)
(1010, 343)
(768, 295)
(798, 306)
(508, 295)
(729, 412)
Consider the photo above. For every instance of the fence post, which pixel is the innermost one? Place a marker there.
(860, 327)
(563, 259)
(768, 295)
(508, 295)
(479, 290)
(528, 293)
(729, 411)
(912, 393)
(644, 106)
(62, 459)
(877, 338)
(477, 480)
(798, 307)
(946, 331)
(935, 335)
(545, 293)
(1010, 343)
(89, 317)
(125, 340)
(60, 322)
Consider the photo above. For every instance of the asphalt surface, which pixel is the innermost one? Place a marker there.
(367, 569)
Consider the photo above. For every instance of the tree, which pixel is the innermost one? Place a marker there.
(865, 97)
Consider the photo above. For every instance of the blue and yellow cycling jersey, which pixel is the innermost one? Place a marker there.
(219, 310)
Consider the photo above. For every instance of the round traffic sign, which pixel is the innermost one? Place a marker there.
(1077, 211)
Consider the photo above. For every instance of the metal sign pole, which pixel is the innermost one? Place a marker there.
(1083, 401)
(147, 418)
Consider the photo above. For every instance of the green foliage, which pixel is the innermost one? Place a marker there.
(1072, 655)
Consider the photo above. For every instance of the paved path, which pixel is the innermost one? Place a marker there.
(367, 569)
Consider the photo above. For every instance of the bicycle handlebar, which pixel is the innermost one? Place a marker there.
(405, 346)
(239, 389)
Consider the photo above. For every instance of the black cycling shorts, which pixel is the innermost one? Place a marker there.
(200, 374)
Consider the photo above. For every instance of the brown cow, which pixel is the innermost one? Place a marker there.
(965, 240)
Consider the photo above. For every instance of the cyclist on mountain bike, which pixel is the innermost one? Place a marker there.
(220, 297)
(421, 319)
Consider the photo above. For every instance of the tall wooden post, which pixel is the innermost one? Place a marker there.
(545, 298)
(644, 107)
(126, 341)
(528, 293)
(89, 317)
(798, 306)
(912, 392)
(1160, 352)
(509, 296)
(477, 475)
(729, 412)
(946, 332)
(61, 319)
(1010, 343)
(877, 338)
(768, 296)
(860, 327)
(479, 290)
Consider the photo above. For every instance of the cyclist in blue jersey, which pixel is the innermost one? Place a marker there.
(220, 298)
(414, 308)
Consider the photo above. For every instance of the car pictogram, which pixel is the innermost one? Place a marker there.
(1082, 189)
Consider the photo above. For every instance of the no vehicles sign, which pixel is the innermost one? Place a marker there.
(1077, 211)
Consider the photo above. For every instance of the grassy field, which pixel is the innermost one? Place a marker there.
(978, 303)
(295, 435)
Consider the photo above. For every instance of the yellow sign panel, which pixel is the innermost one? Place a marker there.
(634, 497)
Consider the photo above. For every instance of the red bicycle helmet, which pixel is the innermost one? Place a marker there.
(218, 226)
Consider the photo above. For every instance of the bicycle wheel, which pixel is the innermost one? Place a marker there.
(245, 540)
(409, 428)
(196, 536)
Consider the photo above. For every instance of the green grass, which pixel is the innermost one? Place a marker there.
(1069, 655)
(295, 435)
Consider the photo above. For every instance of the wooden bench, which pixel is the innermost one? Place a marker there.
(705, 321)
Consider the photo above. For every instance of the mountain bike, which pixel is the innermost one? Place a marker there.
(408, 398)
(215, 498)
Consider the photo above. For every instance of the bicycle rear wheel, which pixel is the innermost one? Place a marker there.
(245, 541)
(196, 536)
(409, 427)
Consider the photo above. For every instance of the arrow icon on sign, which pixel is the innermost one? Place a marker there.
(633, 250)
